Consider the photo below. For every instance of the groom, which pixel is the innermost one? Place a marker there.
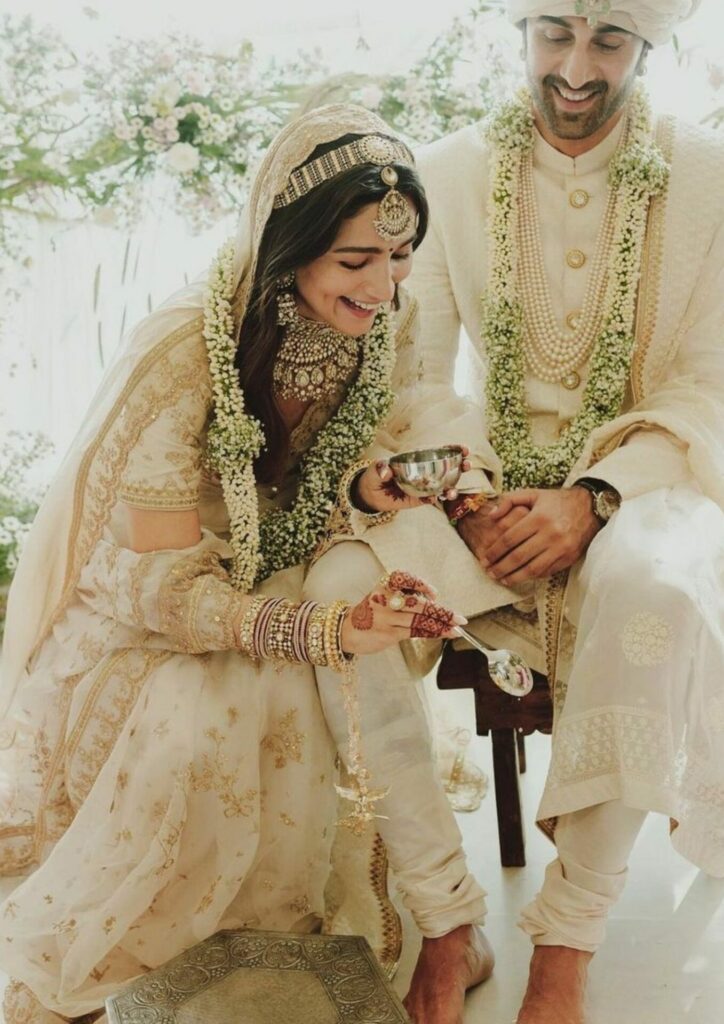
(596, 237)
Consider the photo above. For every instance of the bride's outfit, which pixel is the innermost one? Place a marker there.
(161, 784)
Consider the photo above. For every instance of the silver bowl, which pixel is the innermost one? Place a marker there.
(427, 472)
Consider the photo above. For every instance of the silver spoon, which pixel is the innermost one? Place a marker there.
(507, 670)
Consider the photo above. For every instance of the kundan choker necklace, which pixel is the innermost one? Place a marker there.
(517, 324)
(314, 360)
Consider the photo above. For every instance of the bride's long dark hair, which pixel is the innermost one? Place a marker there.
(294, 236)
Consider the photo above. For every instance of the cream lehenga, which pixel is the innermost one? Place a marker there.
(159, 784)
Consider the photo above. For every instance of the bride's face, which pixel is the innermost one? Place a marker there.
(346, 286)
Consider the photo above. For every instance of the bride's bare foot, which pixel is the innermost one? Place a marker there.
(556, 986)
(445, 969)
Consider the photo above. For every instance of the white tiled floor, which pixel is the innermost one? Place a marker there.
(663, 962)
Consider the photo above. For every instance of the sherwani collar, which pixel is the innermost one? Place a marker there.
(596, 159)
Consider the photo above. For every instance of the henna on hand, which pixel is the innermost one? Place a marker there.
(380, 599)
(362, 615)
(391, 490)
(432, 622)
(404, 581)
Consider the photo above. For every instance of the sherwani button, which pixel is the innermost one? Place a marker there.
(578, 198)
(575, 259)
(573, 319)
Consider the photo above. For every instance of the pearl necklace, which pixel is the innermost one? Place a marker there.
(550, 354)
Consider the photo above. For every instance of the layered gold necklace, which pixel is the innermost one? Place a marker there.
(314, 360)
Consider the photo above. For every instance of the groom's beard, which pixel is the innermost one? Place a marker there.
(578, 124)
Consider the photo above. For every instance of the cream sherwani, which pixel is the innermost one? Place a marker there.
(642, 717)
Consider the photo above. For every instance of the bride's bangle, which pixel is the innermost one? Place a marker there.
(280, 630)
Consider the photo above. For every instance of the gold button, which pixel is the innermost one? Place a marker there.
(579, 198)
(573, 319)
(575, 259)
(571, 380)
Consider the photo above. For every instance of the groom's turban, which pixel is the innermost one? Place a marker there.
(655, 21)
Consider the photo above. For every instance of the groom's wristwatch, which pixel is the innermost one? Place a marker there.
(606, 499)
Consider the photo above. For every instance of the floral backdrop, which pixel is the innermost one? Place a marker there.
(91, 138)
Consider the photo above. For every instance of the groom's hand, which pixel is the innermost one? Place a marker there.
(480, 530)
(554, 531)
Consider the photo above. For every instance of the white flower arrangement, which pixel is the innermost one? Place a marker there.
(637, 173)
(284, 538)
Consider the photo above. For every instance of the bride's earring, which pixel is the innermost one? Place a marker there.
(286, 304)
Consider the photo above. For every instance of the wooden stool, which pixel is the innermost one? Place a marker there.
(509, 720)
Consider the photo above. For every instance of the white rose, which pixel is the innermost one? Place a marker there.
(183, 158)
(371, 96)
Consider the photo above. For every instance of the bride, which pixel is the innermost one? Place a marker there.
(167, 767)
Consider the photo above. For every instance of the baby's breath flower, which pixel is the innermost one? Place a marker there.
(284, 538)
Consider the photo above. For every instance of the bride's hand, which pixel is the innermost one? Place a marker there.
(377, 490)
(400, 607)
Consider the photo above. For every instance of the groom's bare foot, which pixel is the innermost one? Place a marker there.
(556, 986)
(445, 969)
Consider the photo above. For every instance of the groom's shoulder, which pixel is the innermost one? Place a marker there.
(453, 158)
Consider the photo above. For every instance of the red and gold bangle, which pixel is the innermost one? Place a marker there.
(463, 505)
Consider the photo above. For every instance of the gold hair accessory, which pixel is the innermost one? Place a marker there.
(394, 214)
(370, 149)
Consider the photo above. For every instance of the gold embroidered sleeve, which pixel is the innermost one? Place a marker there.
(183, 597)
(164, 468)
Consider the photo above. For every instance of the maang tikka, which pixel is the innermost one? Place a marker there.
(394, 214)
(314, 360)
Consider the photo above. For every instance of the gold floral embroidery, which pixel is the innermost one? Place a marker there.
(208, 898)
(286, 820)
(104, 713)
(177, 364)
(108, 925)
(300, 905)
(232, 715)
(647, 640)
(215, 776)
(197, 604)
(286, 741)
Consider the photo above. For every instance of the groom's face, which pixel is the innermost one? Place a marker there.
(580, 76)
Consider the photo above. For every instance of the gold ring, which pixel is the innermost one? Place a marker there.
(397, 602)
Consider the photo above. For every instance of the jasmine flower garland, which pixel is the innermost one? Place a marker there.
(284, 538)
(637, 173)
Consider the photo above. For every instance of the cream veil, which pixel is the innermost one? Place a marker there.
(83, 494)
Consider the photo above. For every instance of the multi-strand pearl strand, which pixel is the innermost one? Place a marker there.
(550, 354)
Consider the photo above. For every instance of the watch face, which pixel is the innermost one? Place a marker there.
(605, 504)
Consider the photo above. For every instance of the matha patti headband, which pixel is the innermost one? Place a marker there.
(394, 214)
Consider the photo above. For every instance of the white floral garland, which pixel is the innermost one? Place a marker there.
(284, 538)
(637, 173)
